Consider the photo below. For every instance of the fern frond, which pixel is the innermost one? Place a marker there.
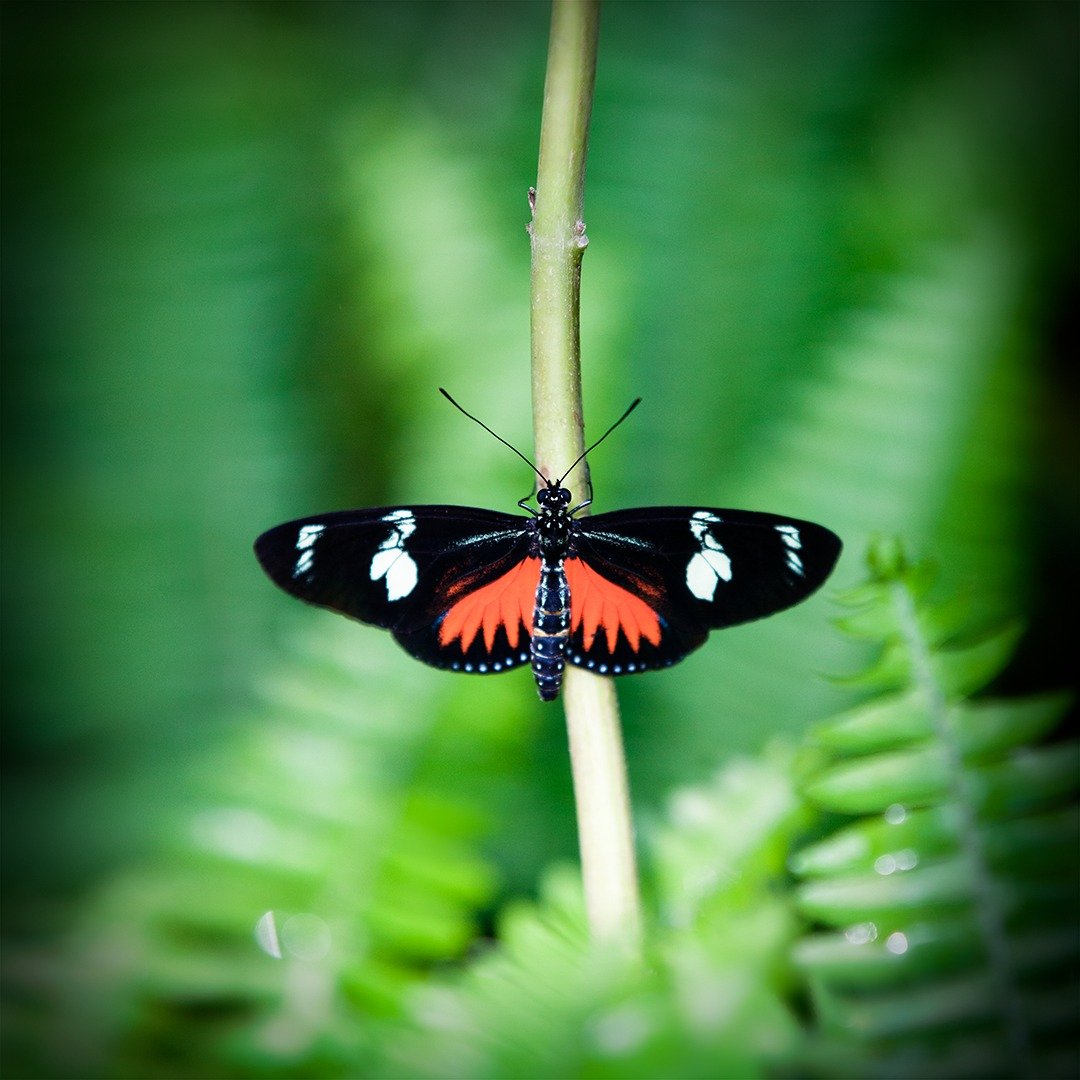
(709, 1001)
(326, 833)
(948, 904)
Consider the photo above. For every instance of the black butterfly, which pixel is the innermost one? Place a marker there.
(479, 591)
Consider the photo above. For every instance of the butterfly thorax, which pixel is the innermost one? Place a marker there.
(554, 524)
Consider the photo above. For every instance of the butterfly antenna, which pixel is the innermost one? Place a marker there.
(499, 437)
(633, 405)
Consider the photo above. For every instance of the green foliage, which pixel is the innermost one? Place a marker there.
(326, 866)
(243, 245)
(947, 907)
(319, 909)
(709, 1000)
(315, 916)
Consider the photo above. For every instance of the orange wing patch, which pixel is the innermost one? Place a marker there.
(596, 602)
(508, 601)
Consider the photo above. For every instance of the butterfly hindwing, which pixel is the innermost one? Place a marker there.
(648, 585)
(454, 584)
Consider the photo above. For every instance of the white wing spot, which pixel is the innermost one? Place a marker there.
(790, 535)
(305, 544)
(793, 541)
(711, 564)
(391, 561)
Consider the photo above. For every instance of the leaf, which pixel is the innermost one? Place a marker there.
(889, 900)
(962, 671)
(877, 724)
(909, 777)
(543, 1002)
(945, 905)
(324, 890)
(931, 831)
(986, 728)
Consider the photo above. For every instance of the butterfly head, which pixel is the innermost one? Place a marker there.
(554, 498)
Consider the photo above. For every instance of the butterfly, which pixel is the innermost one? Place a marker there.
(481, 592)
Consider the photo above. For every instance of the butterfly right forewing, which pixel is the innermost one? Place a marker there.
(406, 569)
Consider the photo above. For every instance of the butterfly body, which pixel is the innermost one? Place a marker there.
(552, 531)
(481, 592)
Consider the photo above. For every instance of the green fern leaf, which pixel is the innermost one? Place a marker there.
(710, 1000)
(946, 907)
(327, 835)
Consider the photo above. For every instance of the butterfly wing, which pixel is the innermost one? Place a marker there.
(647, 586)
(454, 584)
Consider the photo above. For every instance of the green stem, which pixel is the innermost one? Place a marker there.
(601, 791)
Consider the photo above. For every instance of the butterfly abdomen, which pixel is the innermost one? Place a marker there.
(551, 629)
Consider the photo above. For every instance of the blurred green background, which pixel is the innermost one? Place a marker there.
(833, 246)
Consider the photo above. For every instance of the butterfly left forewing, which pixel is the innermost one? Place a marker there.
(430, 574)
(651, 583)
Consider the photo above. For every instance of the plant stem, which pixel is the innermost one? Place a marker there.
(558, 242)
